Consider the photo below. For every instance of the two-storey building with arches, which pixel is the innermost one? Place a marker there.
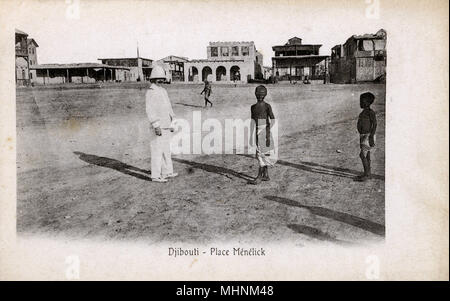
(226, 62)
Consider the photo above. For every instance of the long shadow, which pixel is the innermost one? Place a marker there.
(188, 105)
(322, 169)
(215, 169)
(114, 164)
(327, 169)
(355, 221)
(316, 234)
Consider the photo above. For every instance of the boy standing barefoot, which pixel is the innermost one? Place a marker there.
(260, 131)
(367, 126)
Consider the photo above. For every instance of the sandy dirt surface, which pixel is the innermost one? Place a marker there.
(83, 166)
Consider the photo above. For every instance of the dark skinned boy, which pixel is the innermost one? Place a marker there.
(367, 126)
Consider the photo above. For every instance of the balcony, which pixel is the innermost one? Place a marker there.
(21, 51)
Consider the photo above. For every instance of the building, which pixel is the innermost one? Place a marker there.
(22, 60)
(77, 73)
(175, 66)
(226, 62)
(139, 68)
(32, 51)
(32, 56)
(361, 59)
(295, 61)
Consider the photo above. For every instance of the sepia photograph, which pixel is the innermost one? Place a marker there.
(205, 128)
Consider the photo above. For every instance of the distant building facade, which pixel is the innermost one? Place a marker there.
(139, 68)
(46, 74)
(226, 62)
(267, 71)
(361, 59)
(296, 61)
(26, 55)
(175, 66)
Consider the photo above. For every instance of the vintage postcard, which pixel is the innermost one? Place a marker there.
(224, 140)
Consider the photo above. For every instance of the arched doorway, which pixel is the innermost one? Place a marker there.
(205, 72)
(193, 71)
(221, 73)
(235, 73)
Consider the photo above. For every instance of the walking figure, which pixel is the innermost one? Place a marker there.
(207, 91)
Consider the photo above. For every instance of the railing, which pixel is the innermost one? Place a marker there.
(21, 51)
(23, 82)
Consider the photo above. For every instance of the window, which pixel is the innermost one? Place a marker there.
(365, 45)
(224, 51)
(235, 51)
(214, 51)
(245, 50)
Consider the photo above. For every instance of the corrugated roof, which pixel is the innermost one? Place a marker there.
(76, 65)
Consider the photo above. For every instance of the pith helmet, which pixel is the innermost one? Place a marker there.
(157, 73)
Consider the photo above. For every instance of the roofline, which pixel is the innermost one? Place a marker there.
(70, 66)
(300, 56)
(213, 61)
(20, 32)
(181, 57)
(124, 58)
(292, 45)
(34, 41)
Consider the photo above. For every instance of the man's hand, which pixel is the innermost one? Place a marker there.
(372, 140)
(158, 131)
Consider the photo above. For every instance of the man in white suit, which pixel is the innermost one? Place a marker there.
(161, 117)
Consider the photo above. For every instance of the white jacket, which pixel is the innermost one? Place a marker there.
(158, 107)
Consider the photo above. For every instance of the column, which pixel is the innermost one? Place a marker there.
(213, 69)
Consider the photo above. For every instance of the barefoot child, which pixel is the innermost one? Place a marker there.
(207, 91)
(260, 128)
(367, 125)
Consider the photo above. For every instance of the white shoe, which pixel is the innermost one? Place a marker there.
(171, 175)
(159, 180)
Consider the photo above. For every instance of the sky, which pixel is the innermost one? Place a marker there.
(74, 31)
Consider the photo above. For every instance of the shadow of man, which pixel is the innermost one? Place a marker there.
(322, 169)
(346, 218)
(317, 234)
(215, 169)
(114, 164)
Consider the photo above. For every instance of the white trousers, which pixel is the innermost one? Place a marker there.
(161, 157)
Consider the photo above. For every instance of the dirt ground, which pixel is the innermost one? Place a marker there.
(83, 162)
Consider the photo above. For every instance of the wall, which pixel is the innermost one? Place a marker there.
(341, 70)
(21, 70)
